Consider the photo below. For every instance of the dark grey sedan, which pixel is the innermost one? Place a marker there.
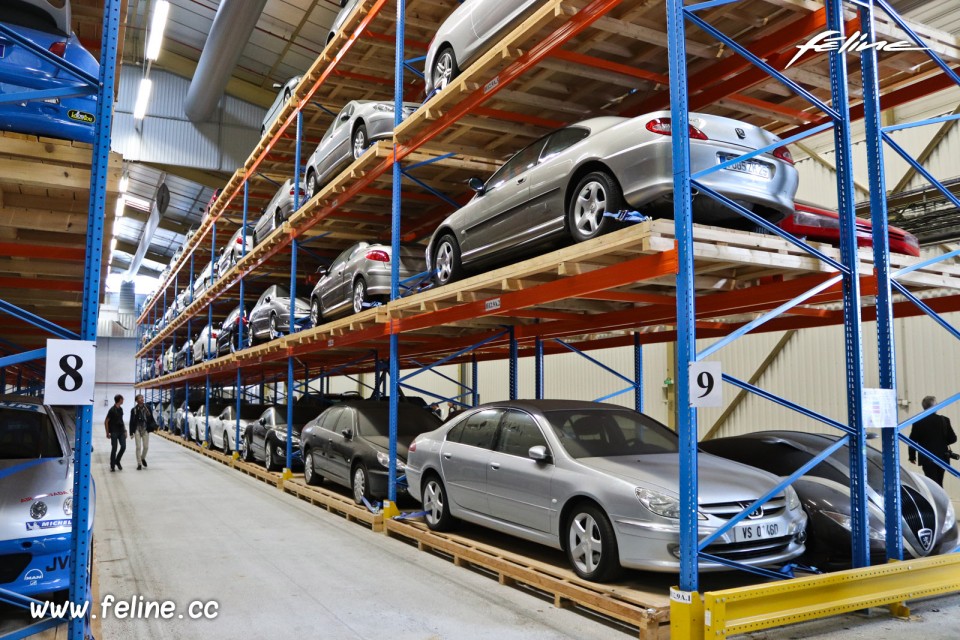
(277, 211)
(359, 276)
(599, 481)
(570, 184)
(270, 317)
(349, 444)
(358, 124)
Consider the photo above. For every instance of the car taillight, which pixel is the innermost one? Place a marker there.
(783, 154)
(58, 48)
(412, 447)
(239, 240)
(663, 127)
(378, 255)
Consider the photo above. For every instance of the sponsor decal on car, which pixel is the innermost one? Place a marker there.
(38, 510)
(81, 116)
(46, 495)
(47, 524)
(33, 575)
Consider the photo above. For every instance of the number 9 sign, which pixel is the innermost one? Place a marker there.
(70, 372)
(706, 380)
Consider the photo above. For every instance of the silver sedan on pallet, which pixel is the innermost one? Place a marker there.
(283, 96)
(277, 211)
(360, 275)
(598, 481)
(571, 183)
(358, 124)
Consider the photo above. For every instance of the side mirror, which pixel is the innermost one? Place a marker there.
(267, 299)
(277, 85)
(477, 185)
(261, 421)
(344, 117)
(347, 434)
(322, 271)
(539, 453)
(343, 3)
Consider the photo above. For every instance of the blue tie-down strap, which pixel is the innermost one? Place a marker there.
(410, 515)
(372, 507)
(626, 216)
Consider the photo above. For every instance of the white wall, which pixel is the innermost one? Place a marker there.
(115, 369)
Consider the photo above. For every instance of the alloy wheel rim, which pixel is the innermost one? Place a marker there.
(433, 502)
(308, 467)
(585, 544)
(358, 296)
(315, 313)
(444, 70)
(590, 207)
(444, 261)
(268, 458)
(274, 334)
(359, 143)
(359, 484)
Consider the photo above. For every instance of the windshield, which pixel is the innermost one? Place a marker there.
(411, 420)
(587, 433)
(27, 434)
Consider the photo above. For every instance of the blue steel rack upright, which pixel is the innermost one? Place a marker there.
(854, 432)
(103, 87)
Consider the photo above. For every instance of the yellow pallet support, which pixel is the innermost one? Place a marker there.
(717, 614)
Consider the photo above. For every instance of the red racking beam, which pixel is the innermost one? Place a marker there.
(41, 284)
(47, 252)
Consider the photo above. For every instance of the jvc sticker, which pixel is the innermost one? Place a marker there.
(47, 524)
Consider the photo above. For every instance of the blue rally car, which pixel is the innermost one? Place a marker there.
(46, 23)
(36, 496)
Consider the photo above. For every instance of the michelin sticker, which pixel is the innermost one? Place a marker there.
(47, 524)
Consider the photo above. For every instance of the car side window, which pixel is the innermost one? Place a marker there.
(346, 421)
(480, 429)
(522, 161)
(330, 419)
(562, 140)
(518, 432)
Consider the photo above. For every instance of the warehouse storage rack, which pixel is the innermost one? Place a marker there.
(103, 88)
(653, 282)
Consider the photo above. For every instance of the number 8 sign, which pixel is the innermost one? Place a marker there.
(70, 372)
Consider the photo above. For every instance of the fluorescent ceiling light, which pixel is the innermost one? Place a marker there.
(124, 183)
(137, 203)
(157, 25)
(143, 97)
(120, 204)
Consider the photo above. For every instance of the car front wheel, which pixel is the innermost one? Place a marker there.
(311, 185)
(360, 484)
(310, 474)
(226, 443)
(315, 317)
(445, 69)
(436, 505)
(446, 260)
(592, 544)
(359, 295)
(246, 449)
(274, 330)
(360, 141)
(595, 195)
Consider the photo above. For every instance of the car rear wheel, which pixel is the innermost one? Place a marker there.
(360, 484)
(269, 461)
(359, 295)
(315, 317)
(274, 327)
(445, 69)
(360, 142)
(311, 185)
(446, 260)
(226, 443)
(591, 544)
(596, 194)
(310, 475)
(436, 505)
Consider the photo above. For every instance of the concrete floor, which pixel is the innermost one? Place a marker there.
(191, 529)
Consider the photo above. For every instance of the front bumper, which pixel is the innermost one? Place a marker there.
(31, 566)
(379, 484)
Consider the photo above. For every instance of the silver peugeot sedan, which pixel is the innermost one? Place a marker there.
(598, 481)
(283, 96)
(270, 317)
(277, 211)
(571, 184)
(359, 276)
(461, 38)
(358, 124)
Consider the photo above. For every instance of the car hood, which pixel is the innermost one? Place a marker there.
(383, 443)
(720, 480)
(48, 480)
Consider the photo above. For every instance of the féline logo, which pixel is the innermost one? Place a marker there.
(855, 43)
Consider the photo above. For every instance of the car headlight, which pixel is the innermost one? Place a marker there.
(383, 108)
(844, 521)
(384, 460)
(661, 504)
(950, 519)
(281, 434)
(793, 500)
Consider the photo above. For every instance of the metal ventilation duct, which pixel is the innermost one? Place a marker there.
(127, 297)
(231, 30)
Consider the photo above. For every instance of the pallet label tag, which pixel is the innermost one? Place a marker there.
(683, 597)
(492, 304)
(880, 408)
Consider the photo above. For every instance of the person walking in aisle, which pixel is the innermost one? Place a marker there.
(141, 425)
(116, 432)
(935, 434)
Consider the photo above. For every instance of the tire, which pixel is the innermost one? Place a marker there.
(226, 443)
(277, 219)
(360, 484)
(263, 130)
(437, 506)
(316, 318)
(268, 460)
(246, 449)
(446, 260)
(274, 331)
(311, 185)
(360, 141)
(445, 69)
(359, 295)
(591, 544)
(310, 476)
(286, 95)
(596, 194)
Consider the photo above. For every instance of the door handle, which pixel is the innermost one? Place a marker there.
(494, 465)
(521, 180)
(447, 456)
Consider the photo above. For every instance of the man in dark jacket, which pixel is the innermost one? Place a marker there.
(116, 432)
(935, 434)
(141, 424)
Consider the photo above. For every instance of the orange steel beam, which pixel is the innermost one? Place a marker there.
(351, 75)
(627, 272)
(636, 298)
(732, 66)
(522, 118)
(568, 30)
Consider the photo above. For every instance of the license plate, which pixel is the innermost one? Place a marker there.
(748, 532)
(752, 167)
